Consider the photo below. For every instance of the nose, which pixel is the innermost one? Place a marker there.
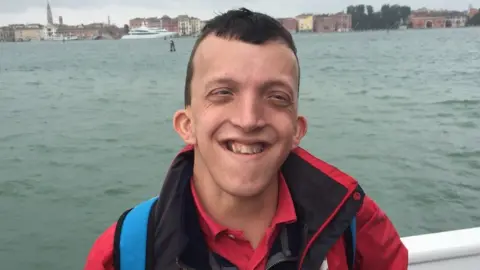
(249, 113)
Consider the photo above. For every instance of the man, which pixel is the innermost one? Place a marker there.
(243, 194)
(172, 45)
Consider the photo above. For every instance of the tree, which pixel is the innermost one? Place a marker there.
(405, 12)
(474, 21)
(369, 11)
(126, 29)
(387, 18)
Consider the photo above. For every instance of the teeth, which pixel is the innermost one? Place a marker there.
(246, 149)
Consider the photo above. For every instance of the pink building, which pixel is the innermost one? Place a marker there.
(472, 12)
(153, 22)
(437, 19)
(169, 24)
(136, 23)
(340, 22)
(421, 22)
(291, 24)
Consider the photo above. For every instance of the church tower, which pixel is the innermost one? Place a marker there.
(49, 14)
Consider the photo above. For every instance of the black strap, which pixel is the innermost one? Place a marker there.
(349, 237)
(116, 240)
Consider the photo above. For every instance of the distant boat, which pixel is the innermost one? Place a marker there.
(60, 38)
(144, 32)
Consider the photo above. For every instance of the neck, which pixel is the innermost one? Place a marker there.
(251, 215)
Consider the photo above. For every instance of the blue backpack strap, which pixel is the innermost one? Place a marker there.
(351, 243)
(353, 231)
(131, 238)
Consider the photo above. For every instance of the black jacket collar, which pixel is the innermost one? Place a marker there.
(319, 192)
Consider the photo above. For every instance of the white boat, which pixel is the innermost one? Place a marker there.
(144, 32)
(60, 38)
(459, 249)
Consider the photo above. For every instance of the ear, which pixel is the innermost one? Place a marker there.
(300, 131)
(182, 123)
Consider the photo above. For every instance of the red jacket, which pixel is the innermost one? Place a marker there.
(378, 247)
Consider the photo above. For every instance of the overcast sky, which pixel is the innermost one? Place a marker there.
(120, 11)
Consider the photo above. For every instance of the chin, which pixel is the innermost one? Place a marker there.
(245, 192)
(238, 187)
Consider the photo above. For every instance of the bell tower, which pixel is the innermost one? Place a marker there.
(49, 14)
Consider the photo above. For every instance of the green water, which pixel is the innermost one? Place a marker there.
(85, 131)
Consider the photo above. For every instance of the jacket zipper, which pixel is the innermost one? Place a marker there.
(281, 261)
(183, 266)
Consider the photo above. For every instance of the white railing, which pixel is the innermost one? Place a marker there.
(459, 250)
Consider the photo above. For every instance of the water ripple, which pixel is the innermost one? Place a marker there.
(86, 131)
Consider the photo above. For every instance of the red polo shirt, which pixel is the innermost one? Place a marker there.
(233, 246)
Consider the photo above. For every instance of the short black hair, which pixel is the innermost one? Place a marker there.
(244, 25)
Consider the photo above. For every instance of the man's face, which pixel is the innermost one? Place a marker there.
(243, 117)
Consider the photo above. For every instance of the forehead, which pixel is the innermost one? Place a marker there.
(243, 62)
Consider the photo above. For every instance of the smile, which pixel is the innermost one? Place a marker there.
(245, 149)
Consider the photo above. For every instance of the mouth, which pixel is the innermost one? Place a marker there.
(253, 148)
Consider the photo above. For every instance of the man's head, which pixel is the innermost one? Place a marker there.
(241, 102)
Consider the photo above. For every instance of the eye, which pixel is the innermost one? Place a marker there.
(220, 95)
(222, 92)
(280, 99)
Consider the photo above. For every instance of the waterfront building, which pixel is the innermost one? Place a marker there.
(184, 26)
(169, 24)
(195, 25)
(472, 11)
(305, 22)
(340, 22)
(291, 24)
(424, 19)
(7, 34)
(29, 32)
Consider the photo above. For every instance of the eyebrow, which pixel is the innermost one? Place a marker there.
(221, 80)
(265, 85)
(277, 83)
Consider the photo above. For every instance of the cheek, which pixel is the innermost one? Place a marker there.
(204, 126)
(284, 123)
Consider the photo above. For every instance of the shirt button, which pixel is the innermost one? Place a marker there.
(231, 236)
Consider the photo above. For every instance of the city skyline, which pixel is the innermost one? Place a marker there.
(22, 12)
